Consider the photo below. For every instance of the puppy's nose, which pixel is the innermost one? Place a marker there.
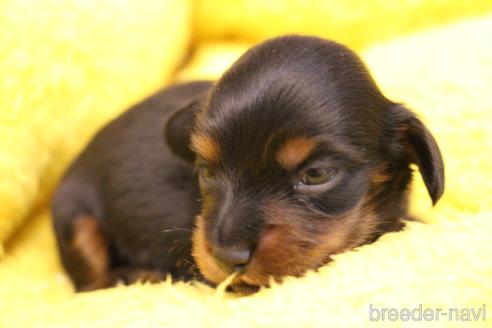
(231, 259)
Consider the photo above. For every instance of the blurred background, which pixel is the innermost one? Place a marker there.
(67, 67)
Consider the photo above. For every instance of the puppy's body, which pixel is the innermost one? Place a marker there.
(299, 157)
(131, 196)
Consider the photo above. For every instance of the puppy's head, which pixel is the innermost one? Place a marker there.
(300, 157)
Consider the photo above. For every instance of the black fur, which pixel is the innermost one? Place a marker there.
(144, 196)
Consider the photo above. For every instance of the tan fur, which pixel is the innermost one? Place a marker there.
(295, 151)
(380, 175)
(92, 246)
(201, 253)
(206, 147)
(294, 246)
(350, 230)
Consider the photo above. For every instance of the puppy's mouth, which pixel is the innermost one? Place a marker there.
(240, 282)
(243, 288)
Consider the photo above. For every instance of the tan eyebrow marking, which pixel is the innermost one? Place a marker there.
(294, 151)
(206, 147)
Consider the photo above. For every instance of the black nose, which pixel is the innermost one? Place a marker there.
(231, 259)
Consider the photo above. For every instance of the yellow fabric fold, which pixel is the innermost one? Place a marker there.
(66, 68)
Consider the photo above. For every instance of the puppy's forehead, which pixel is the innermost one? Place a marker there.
(289, 64)
(292, 88)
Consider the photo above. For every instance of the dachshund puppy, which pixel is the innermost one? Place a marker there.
(293, 155)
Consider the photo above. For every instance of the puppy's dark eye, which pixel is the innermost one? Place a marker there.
(315, 176)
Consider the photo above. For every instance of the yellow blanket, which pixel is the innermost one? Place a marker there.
(68, 67)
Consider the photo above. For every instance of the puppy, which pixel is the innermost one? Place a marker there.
(293, 155)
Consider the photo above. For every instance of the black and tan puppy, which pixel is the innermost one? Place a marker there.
(292, 156)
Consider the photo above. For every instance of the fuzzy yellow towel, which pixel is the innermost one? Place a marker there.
(353, 22)
(66, 67)
(445, 75)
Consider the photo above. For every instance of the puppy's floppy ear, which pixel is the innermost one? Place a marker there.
(421, 149)
(178, 129)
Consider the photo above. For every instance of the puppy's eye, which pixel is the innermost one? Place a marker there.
(315, 176)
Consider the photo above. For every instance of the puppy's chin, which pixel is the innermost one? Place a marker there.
(243, 288)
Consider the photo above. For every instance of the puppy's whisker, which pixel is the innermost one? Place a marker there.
(177, 229)
(179, 245)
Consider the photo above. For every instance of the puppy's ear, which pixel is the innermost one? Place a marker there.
(178, 129)
(421, 148)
